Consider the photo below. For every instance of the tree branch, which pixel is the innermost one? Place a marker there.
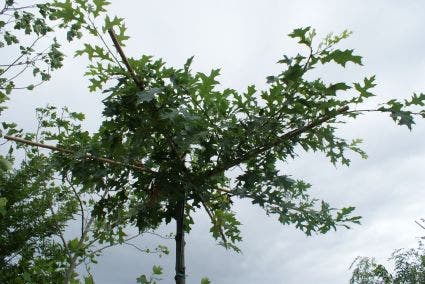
(287, 136)
(80, 202)
(73, 260)
(138, 167)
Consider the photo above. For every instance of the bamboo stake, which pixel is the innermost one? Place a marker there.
(125, 60)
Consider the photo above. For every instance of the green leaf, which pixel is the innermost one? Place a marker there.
(271, 79)
(398, 113)
(157, 270)
(88, 280)
(369, 83)
(100, 6)
(109, 24)
(10, 38)
(188, 63)
(342, 57)
(205, 280)
(64, 11)
(121, 36)
(142, 279)
(286, 60)
(417, 100)
(303, 35)
(119, 23)
(339, 87)
(403, 118)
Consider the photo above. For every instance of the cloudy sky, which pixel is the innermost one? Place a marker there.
(245, 39)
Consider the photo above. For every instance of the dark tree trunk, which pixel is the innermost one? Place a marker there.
(180, 243)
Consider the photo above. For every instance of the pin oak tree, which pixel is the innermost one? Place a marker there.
(176, 134)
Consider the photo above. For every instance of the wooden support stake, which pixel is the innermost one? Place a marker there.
(124, 59)
(180, 242)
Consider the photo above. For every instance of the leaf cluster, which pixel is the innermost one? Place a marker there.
(28, 32)
(39, 203)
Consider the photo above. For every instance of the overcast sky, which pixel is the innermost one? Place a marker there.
(245, 39)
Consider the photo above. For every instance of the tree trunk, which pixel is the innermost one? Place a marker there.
(180, 243)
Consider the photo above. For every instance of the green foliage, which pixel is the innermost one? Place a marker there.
(28, 251)
(367, 271)
(398, 110)
(409, 267)
(38, 202)
(23, 30)
(28, 32)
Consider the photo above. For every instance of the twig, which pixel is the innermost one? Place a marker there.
(25, 88)
(158, 235)
(21, 8)
(139, 249)
(106, 246)
(378, 110)
(214, 223)
(28, 62)
(80, 202)
(420, 225)
(20, 56)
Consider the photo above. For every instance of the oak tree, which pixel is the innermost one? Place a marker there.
(175, 135)
(185, 132)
